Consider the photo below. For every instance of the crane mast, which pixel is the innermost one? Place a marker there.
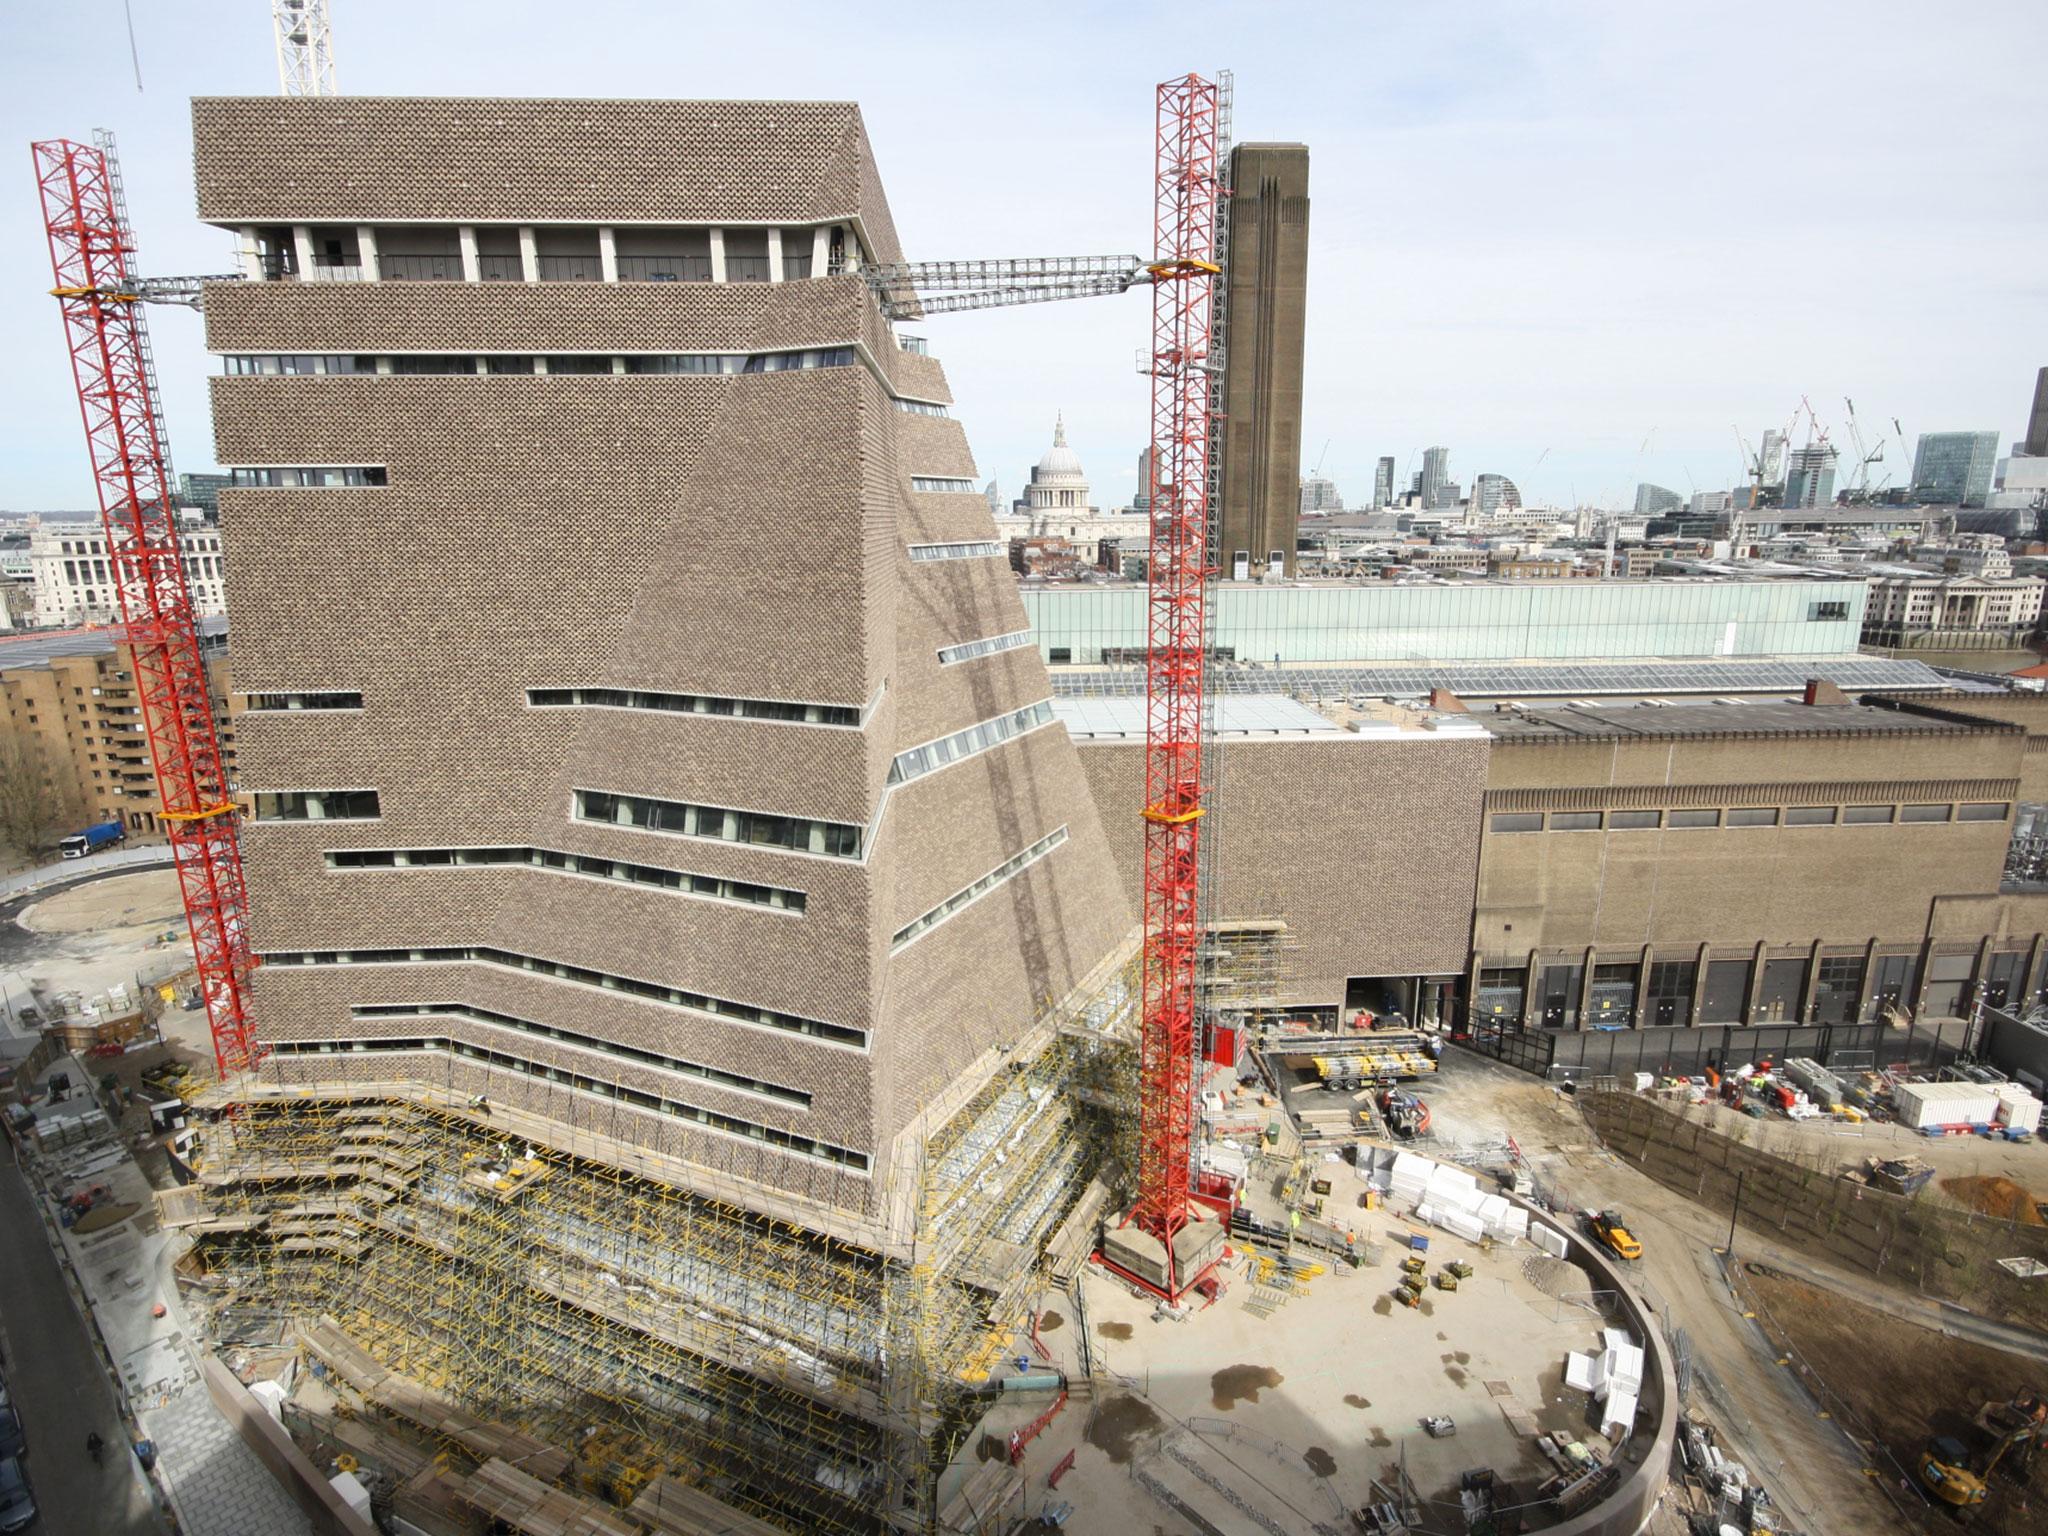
(86, 220)
(1188, 188)
(305, 47)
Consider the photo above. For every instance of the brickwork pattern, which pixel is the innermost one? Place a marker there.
(1367, 849)
(494, 160)
(620, 531)
(1677, 888)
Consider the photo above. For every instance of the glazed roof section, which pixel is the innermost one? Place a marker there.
(373, 159)
(1771, 717)
(38, 648)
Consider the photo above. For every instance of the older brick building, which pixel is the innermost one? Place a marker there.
(746, 856)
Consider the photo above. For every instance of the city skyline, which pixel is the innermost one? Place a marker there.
(1589, 348)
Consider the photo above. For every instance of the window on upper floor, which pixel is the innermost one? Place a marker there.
(1694, 819)
(323, 476)
(317, 805)
(1865, 815)
(1633, 821)
(1924, 812)
(1810, 816)
(1515, 821)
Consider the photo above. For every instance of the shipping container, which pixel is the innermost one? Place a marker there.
(1919, 1105)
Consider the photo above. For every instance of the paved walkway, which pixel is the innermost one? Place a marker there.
(215, 1483)
(82, 869)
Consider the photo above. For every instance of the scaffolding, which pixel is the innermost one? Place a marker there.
(499, 1272)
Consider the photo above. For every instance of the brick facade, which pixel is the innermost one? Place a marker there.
(618, 531)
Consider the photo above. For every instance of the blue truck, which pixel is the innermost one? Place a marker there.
(104, 834)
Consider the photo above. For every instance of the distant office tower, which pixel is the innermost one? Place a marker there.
(993, 491)
(1383, 480)
(1265, 302)
(203, 492)
(1492, 495)
(1711, 503)
(1655, 500)
(1319, 494)
(2037, 421)
(1772, 459)
(1141, 499)
(1436, 464)
(1954, 468)
(1810, 476)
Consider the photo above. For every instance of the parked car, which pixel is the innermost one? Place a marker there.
(12, 1441)
(17, 1504)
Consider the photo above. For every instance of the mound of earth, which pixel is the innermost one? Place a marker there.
(1995, 1195)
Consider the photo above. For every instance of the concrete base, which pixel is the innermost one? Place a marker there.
(1196, 1247)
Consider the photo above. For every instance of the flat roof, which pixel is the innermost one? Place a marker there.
(1745, 717)
(1535, 679)
(39, 647)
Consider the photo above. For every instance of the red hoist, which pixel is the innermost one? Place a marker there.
(90, 251)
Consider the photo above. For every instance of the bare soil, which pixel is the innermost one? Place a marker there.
(1899, 1385)
(1996, 1195)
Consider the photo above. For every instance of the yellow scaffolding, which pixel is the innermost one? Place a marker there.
(647, 1330)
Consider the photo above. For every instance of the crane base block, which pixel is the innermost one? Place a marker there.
(1139, 1255)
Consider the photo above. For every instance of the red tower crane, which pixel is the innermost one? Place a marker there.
(1189, 186)
(91, 247)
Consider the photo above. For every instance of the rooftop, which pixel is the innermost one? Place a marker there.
(38, 648)
(1767, 717)
(1537, 679)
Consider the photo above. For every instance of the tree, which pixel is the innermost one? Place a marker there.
(39, 800)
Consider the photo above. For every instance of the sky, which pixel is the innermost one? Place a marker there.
(1578, 242)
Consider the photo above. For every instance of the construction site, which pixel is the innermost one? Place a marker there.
(679, 1040)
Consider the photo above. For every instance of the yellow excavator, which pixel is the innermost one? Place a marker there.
(1945, 1467)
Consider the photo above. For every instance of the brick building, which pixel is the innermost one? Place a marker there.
(72, 694)
(841, 850)
(1616, 864)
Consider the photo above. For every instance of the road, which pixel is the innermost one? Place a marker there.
(59, 1386)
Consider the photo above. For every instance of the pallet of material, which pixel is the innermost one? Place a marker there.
(669, 1508)
(530, 1506)
(986, 1498)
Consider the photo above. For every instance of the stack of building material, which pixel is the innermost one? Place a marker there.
(986, 1500)
(526, 1504)
(1820, 1085)
(1451, 1198)
(2018, 1110)
(1924, 1106)
(1614, 1376)
(669, 1508)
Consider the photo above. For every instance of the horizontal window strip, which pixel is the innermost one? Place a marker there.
(782, 710)
(318, 805)
(265, 703)
(944, 483)
(633, 1053)
(603, 981)
(317, 476)
(1811, 792)
(1008, 870)
(754, 829)
(710, 1119)
(922, 408)
(682, 882)
(972, 650)
(972, 742)
(466, 364)
(979, 549)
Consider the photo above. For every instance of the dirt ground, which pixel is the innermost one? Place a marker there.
(1901, 1384)
(1995, 1195)
(1764, 1422)
(123, 931)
